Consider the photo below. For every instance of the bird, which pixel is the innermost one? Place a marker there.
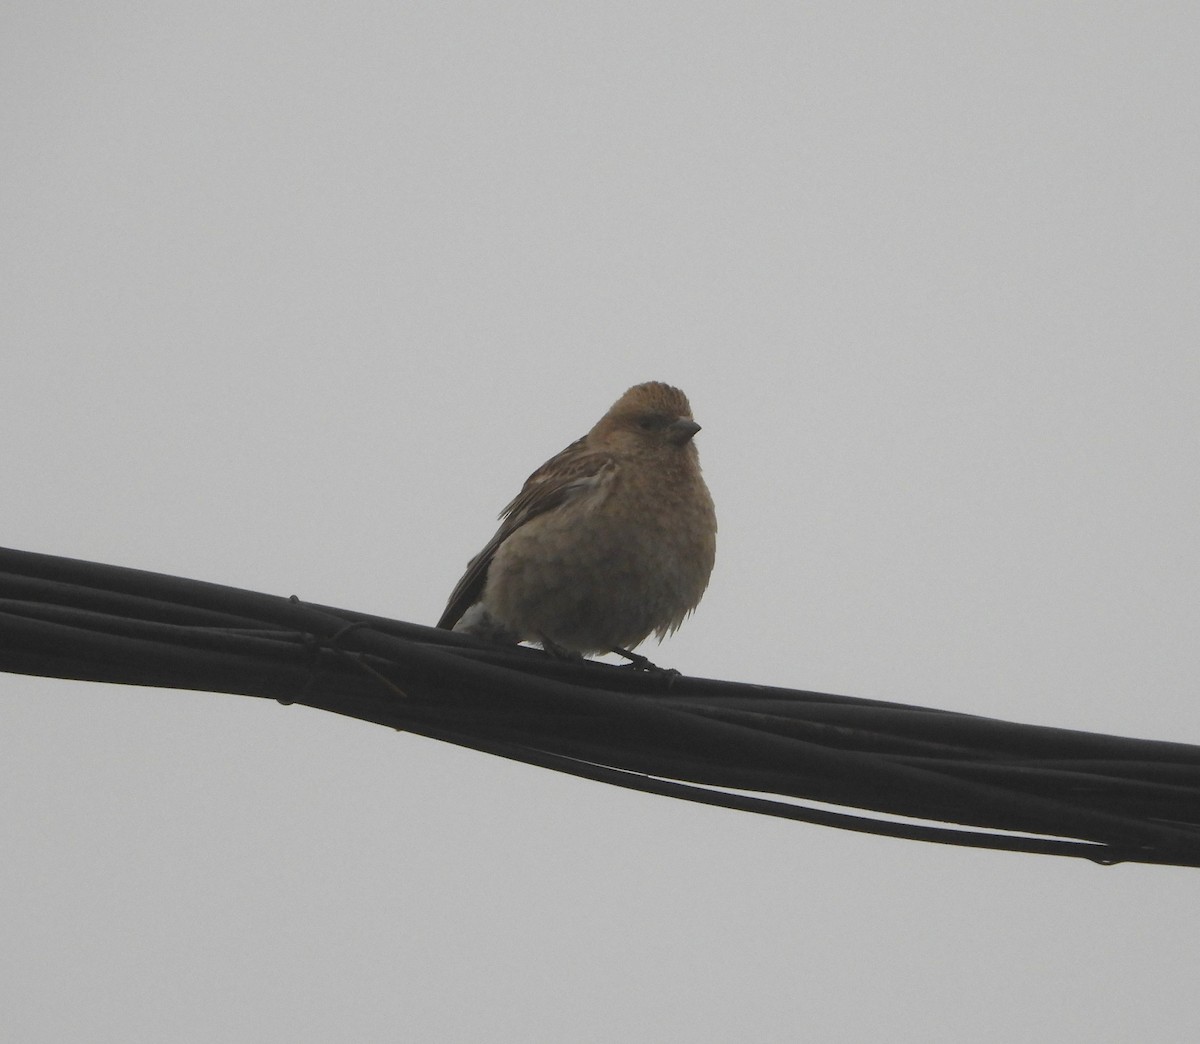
(611, 540)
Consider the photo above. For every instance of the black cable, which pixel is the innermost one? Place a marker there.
(1053, 791)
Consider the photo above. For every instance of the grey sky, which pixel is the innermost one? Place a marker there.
(293, 296)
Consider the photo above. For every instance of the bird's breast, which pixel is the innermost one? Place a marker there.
(615, 563)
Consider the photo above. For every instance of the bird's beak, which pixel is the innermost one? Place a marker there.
(681, 430)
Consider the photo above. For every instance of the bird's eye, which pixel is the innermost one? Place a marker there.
(652, 422)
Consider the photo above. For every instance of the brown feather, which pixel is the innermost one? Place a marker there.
(544, 490)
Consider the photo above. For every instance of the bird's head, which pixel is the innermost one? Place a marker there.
(650, 417)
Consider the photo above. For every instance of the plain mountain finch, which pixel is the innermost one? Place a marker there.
(608, 542)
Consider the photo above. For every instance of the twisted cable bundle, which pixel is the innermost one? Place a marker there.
(751, 747)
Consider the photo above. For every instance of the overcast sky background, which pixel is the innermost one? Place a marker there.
(295, 295)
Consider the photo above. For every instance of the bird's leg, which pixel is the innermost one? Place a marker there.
(558, 652)
(638, 662)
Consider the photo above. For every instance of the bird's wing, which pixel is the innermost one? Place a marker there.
(562, 477)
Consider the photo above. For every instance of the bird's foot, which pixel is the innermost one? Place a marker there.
(638, 662)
